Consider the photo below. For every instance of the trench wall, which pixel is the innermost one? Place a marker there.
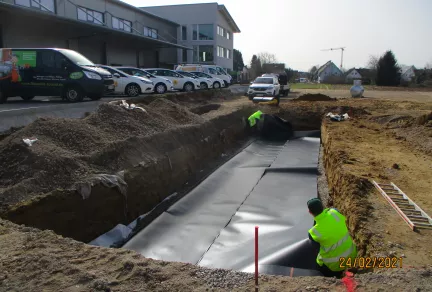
(348, 192)
(155, 167)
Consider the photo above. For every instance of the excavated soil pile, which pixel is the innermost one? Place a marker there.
(60, 182)
(58, 158)
(314, 97)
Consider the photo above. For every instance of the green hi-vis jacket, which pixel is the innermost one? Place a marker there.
(331, 232)
(255, 116)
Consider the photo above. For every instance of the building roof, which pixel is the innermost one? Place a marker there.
(221, 8)
(364, 72)
(136, 9)
(405, 68)
(229, 18)
(92, 28)
(323, 67)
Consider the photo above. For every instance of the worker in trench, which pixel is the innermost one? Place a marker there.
(331, 233)
(270, 127)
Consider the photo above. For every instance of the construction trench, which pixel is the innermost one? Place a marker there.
(191, 191)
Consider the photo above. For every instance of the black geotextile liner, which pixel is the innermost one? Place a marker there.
(265, 185)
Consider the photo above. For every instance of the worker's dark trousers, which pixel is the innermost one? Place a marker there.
(329, 273)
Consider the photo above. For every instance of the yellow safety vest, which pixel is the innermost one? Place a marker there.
(255, 116)
(331, 233)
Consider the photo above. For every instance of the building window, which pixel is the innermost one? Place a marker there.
(90, 15)
(44, 5)
(150, 32)
(203, 32)
(205, 53)
(184, 33)
(220, 52)
(228, 54)
(220, 31)
(184, 56)
(195, 53)
(228, 35)
(121, 24)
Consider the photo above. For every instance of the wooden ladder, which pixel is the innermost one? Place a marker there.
(412, 214)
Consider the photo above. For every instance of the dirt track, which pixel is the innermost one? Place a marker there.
(380, 134)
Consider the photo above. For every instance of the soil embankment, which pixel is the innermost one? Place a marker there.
(84, 176)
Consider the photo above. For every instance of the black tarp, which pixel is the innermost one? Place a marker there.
(265, 185)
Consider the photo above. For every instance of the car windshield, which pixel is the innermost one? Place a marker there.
(264, 80)
(186, 74)
(77, 58)
(222, 72)
(142, 73)
(201, 74)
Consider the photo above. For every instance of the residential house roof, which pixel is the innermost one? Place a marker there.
(405, 68)
(364, 72)
(323, 67)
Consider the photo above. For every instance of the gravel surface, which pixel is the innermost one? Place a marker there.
(226, 279)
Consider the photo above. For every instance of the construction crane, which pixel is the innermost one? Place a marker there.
(342, 50)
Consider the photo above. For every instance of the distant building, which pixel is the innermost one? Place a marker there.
(407, 73)
(206, 27)
(273, 68)
(364, 74)
(328, 72)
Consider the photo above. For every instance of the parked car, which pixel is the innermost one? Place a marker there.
(28, 73)
(213, 70)
(264, 86)
(161, 85)
(180, 82)
(128, 84)
(205, 83)
(217, 82)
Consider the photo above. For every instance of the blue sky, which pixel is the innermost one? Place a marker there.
(297, 30)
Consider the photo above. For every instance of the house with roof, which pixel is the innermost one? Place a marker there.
(363, 74)
(327, 72)
(407, 73)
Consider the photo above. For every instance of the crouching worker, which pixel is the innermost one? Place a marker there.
(331, 233)
(253, 120)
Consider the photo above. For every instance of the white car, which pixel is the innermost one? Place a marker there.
(161, 85)
(264, 86)
(217, 82)
(180, 82)
(127, 84)
(212, 70)
(205, 83)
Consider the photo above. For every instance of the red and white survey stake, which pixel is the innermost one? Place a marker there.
(256, 258)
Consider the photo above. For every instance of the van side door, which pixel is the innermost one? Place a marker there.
(49, 75)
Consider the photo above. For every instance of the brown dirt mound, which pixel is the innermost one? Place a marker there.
(65, 147)
(200, 110)
(315, 97)
(392, 120)
(352, 111)
(178, 113)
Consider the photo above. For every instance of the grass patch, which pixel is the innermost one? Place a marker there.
(310, 86)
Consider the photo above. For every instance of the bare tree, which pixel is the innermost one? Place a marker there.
(373, 62)
(267, 58)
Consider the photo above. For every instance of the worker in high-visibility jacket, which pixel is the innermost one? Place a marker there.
(331, 233)
(254, 117)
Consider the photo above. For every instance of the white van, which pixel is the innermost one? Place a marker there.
(213, 70)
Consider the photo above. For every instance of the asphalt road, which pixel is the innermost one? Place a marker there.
(17, 112)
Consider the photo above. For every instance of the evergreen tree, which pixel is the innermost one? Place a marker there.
(388, 70)
(256, 66)
(238, 63)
